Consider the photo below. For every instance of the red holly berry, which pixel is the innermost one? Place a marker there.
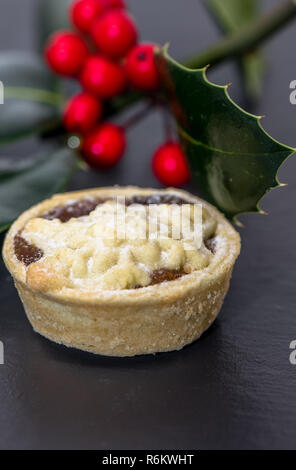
(141, 68)
(65, 53)
(107, 4)
(170, 165)
(104, 147)
(83, 13)
(114, 33)
(102, 77)
(82, 113)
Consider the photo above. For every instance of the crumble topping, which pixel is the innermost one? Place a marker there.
(88, 253)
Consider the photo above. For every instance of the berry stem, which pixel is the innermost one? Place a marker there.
(169, 129)
(138, 116)
(121, 103)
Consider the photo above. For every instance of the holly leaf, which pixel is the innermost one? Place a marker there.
(232, 159)
(231, 16)
(52, 16)
(31, 99)
(24, 186)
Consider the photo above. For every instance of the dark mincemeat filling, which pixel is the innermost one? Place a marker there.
(73, 210)
(211, 244)
(163, 275)
(25, 252)
(156, 199)
(29, 254)
(86, 206)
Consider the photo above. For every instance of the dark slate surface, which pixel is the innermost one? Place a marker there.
(235, 388)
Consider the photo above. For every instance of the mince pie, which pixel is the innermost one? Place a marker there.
(122, 271)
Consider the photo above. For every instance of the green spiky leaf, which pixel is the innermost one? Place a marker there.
(231, 16)
(31, 100)
(23, 186)
(232, 159)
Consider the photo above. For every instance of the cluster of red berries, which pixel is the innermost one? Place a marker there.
(104, 55)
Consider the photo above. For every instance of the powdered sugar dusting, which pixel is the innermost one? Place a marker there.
(89, 252)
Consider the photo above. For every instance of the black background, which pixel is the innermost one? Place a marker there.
(233, 389)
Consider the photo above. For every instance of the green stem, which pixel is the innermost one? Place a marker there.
(137, 117)
(247, 39)
(41, 96)
(120, 103)
(233, 46)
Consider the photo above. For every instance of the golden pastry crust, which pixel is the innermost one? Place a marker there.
(124, 322)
